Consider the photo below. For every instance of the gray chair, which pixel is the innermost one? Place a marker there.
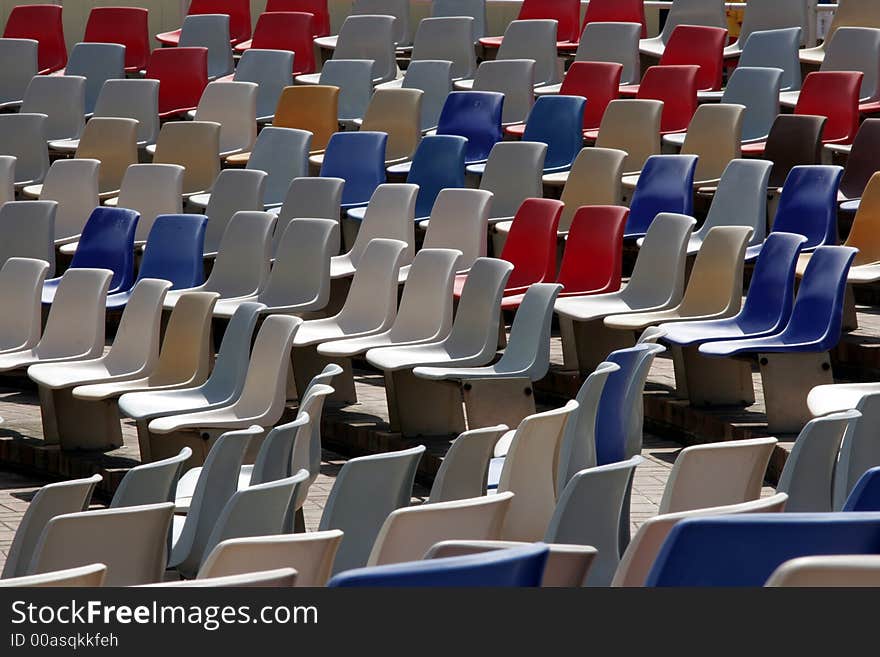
(7, 178)
(97, 63)
(612, 42)
(150, 483)
(282, 153)
(309, 198)
(27, 230)
(447, 39)
(271, 71)
(131, 99)
(475, 9)
(209, 31)
(513, 173)
(15, 79)
(465, 466)
(758, 90)
(685, 12)
(354, 77)
(434, 78)
(368, 37)
(763, 16)
(514, 78)
(859, 450)
(62, 98)
(24, 137)
(236, 190)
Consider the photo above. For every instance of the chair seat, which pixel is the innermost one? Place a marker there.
(64, 145)
(327, 42)
(652, 47)
(755, 149)
(838, 397)
(308, 78)
(171, 38)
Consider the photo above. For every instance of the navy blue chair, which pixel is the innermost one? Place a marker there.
(515, 567)
(866, 494)
(107, 242)
(475, 115)
(173, 253)
(666, 184)
(807, 206)
(359, 159)
(744, 550)
(768, 304)
(558, 122)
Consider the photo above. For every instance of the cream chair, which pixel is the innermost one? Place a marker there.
(21, 287)
(396, 112)
(512, 173)
(849, 13)
(132, 98)
(27, 229)
(151, 190)
(90, 576)
(277, 578)
(310, 554)
(234, 106)
(77, 424)
(828, 571)
(632, 126)
(462, 474)
(113, 142)
(409, 533)
(194, 145)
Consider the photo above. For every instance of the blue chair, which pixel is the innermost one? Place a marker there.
(359, 159)
(173, 253)
(866, 494)
(558, 121)
(475, 115)
(807, 206)
(743, 550)
(107, 242)
(666, 184)
(438, 163)
(514, 567)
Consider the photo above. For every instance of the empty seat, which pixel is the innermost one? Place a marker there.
(211, 31)
(194, 145)
(664, 185)
(598, 81)
(565, 12)
(73, 185)
(234, 106)
(794, 140)
(368, 37)
(834, 95)
(62, 99)
(513, 174)
(438, 164)
(676, 88)
(318, 198)
(285, 30)
(42, 23)
(861, 163)
(270, 71)
(835, 570)
(475, 115)
(715, 137)
(354, 79)
(151, 190)
(511, 77)
(238, 11)
(182, 74)
(696, 45)
(632, 126)
(756, 89)
(127, 26)
(133, 99)
(282, 153)
(21, 281)
(557, 121)
(399, 10)
(611, 11)
(475, 9)
(317, 8)
(92, 575)
(97, 63)
(856, 13)
(685, 12)
(24, 137)
(434, 79)
(311, 108)
(396, 112)
(785, 14)
(447, 39)
(27, 230)
(15, 79)
(359, 159)
(594, 179)
(113, 142)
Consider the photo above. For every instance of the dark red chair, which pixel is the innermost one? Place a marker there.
(676, 86)
(286, 30)
(694, 45)
(239, 12)
(835, 95)
(317, 8)
(593, 258)
(42, 23)
(611, 11)
(127, 26)
(598, 82)
(566, 12)
(182, 75)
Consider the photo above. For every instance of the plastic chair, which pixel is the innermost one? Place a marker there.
(317, 8)
(92, 576)
(579, 520)
(834, 95)
(234, 106)
(353, 78)
(594, 179)
(694, 45)
(632, 126)
(715, 137)
(511, 77)
(150, 483)
(309, 108)
(513, 174)
(239, 14)
(462, 474)
(27, 231)
(475, 9)
(358, 158)
(126, 26)
(282, 153)
(51, 500)
(438, 164)
(786, 14)
(73, 185)
(97, 63)
(752, 546)
(642, 551)
(476, 116)
(447, 39)
(15, 79)
(565, 12)
(150, 190)
(194, 145)
(389, 215)
(434, 78)
(131, 99)
(858, 13)
(612, 11)
(399, 10)
(794, 140)
(598, 81)
(7, 178)
(130, 542)
(182, 74)
(312, 554)
(676, 88)
(113, 142)
(836, 571)
(511, 568)
(21, 280)
(270, 71)
(285, 30)
(665, 186)
(210, 31)
(557, 121)
(685, 12)
(278, 578)
(369, 37)
(42, 23)
(62, 99)
(396, 112)
(861, 163)
(863, 496)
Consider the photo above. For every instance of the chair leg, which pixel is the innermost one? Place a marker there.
(488, 402)
(166, 445)
(850, 317)
(47, 413)
(84, 424)
(338, 293)
(787, 380)
(594, 341)
(307, 363)
(716, 381)
(681, 386)
(422, 407)
(569, 352)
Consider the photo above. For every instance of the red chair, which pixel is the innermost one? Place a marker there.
(286, 30)
(598, 82)
(239, 12)
(42, 23)
(182, 75)
(694, 45)
(611, 11)
(593, 258)
(835, 95)
(317, 8)
(124, 25)
(566, 12)
(676, 86)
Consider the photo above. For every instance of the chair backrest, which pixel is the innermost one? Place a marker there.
(234, 106)
(836, 571)
(127, 26)
(359, 159)
(113, 142)
(459, 220)
(741, 198)
(434, 78)
(369, 37)
(301, 271)
(209, 31)
(131, 542)
(475, 328)
(24, 137)
(475, 9)
(557, 121)
(62, 98)
(97, 63)
(589, 512)
(135, 346)
(15, 79)
(784, 14)
(371, 303)
(862, 233)
(599, 81)
(744, 550)
(665, 186)
(794, 140)
(676, 87)
(862, 162)
(865, 496)
(693, 12)
(408, 533)
(565, 12)
(522, 566)
(283, 154)
(317, 8)
(632, 126)
(194, 145)
(513, 174)
(92, 576)
(533, 39)
(51, 500)
(855, 49)
(593, 258)
(311, 554)
(277, 578)
(715, 137)
(858, 453)
(595, 179)
(228, 376)
(242, 264)
(42, 23)
(717, 287)
(464, 469)
(310, 198)
(238, 11)
(27, 229)
(309, 107)
(438, 164)
(174, 250)
(21, 285)
(290, 31)
(107, 242)
(151, 190)
(531, 243)
(398, 9)
(425, 311)
(512, 77)
(75, 325)
(150, 483)
(235, 190)
(834, 95)
(529, 471)
(775, 49)
(273, 461)
(528, 349)
(698, 44)
(354, 79)
(270, 70)
(858, 13)
(616, 42)
(642, 550)
(7, 178)
(808, 204)
(390, 215)
(768, 304)
(447, 39)
(475, 115)
(396, 112)
(182, 73)
(133, 99)
(73, 184)
(366, 490)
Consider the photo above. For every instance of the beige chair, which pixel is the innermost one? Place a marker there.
(26, 231)
(151, 190)
(112, 141)
(396, 112)
(529, 471)
(465, 466)
(21, 287)
(409, 533)
(849, 13)
(837, 570)
(132, 542)
(632, 126)
(594, 179)
(567, 565)
(717, 474)
(194, 145)
(89, 576)
(73, 184)
(310, 554)
(279, 578)
(639, 556)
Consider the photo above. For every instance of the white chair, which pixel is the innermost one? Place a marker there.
(151, 190)
(512, 77)
(62, 98)
(27, 230)
(282, 153)
(859, 450)
(512, 173)
(21, 286)
(828, 571)
(150, 483)
(277, 578)
(235, 190)
(711, 13)
(91, 576)
(24, 137)
(15, 79)
(309, 198)
(365, 37)
(80, 424)
(209, 31)
(234, 106)
(73, 184)
(462, 474)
